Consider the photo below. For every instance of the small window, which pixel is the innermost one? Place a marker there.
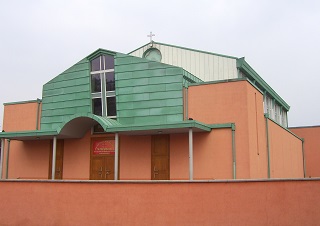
(108, 62)
(97, 106)
(95, 64)
(111, 106)
(95, 83)
(110, 83)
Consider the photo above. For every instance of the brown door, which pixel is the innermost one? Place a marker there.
(160, 164)
(102, 168)
(59, 160)
(102, 159)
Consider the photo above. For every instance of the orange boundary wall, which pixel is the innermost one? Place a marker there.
(275, 202)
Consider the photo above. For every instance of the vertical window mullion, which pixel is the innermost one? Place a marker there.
(103, 95)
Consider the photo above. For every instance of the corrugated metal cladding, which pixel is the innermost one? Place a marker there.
(206, 66)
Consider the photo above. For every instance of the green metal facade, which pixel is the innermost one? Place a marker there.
(66, 95)
(146, 92)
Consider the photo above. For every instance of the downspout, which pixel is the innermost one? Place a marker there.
(7, 162)
(234, 167)
(186, 96)
(38, 114)
(268, 145)
(54, 153)
(1, 160)
(303, 159)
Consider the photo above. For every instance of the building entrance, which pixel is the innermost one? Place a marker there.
(102, 159)
(160, 163)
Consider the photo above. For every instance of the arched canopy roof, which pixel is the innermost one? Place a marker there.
(77, 125)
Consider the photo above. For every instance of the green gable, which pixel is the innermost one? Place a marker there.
(66, 95)
(146, 92)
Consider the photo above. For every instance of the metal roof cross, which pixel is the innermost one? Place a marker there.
(151, 36)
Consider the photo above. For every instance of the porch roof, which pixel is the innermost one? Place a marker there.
(77, 126)
(163, 128)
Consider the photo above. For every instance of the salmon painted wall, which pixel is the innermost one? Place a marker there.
(179, 156)
(13, 113)
(286, 159)
(135, 157)
(224, 103)
(199, 203)
(76, 159)
(311, 137)
(27, 159)
(213, 155)
(256, 134)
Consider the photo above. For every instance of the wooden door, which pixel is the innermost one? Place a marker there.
(109, 167)
(102, 159)
(96, 172)
(59, 160)
(102, 168)
(160, 163)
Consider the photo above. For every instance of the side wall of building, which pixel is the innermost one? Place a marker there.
(224, 103)
(286, 157)
(311, 137)
(21, 116)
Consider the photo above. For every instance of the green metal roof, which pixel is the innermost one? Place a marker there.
(172, 127)
(244, 67)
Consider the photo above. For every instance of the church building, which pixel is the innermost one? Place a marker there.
(160, 112)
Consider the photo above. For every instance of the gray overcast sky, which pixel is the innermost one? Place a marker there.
(280, 40)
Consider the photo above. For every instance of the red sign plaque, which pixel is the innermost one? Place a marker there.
(103, 147)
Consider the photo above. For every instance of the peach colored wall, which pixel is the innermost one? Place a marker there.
(20, 117)
(286, 159)
(213, 155)
(135, 157)
(257, 134)
(224, 103)
(76, 159)
(216, 203)
(27, 159)
(179, 156)
(311, 148)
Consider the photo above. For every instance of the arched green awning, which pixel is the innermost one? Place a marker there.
(77, 125)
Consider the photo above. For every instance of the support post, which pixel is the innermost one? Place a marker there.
(190, 154)
(1, 160)
(233, 129)
(116, 157)
(54, 155)
(7, 162)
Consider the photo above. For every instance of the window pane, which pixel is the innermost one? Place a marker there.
(95, 83)
(95, 64)
(97, 106)
(109, 62)
(111, 106)
(110, 85)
